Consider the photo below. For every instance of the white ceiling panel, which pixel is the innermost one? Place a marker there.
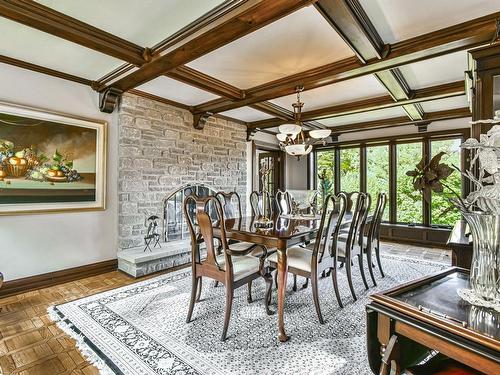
(343, 92)
(444, 104)
(144, 22)
(177, 91)
(364, 117)
(27, 44)
(298, 42)
(397, 20)
(440, 70)
(247, 114)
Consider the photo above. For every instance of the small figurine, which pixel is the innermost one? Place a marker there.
(152, 236)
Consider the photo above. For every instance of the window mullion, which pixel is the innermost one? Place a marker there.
(392, 183)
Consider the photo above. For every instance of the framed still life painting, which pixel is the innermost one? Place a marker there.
(50, 162)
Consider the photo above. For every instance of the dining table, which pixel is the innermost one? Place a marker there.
(285, 231)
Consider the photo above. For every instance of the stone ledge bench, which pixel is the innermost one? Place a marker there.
(137, 262)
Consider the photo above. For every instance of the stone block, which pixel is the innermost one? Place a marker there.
(142, 163)
(143, 123)
(125, 163)
(127, 150)
(126, 120)
(128, 208)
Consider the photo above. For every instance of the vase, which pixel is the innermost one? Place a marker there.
(485, 267)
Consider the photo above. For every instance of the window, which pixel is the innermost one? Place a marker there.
(325, 168)
(349, 170)
(381, 167)
(408, 201)
(377, 174)
(440, 215)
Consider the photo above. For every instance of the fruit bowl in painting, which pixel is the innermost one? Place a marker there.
(56, 178)
(16, 170)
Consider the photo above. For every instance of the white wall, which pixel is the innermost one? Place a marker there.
(35, 244)
(296, 173)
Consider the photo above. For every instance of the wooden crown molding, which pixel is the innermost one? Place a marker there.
(403, 121)
(244, 19)
(431, 93)
(451, 39)
(38, 16)
(44, 70)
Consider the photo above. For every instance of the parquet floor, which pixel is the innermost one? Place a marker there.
(31, 344)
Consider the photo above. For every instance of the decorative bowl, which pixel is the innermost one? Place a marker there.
(56, 179)
(18, 170)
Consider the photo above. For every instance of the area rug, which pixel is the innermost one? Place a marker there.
(141, 328)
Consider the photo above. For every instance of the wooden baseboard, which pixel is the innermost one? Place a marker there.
(57, 277)
(415, 235)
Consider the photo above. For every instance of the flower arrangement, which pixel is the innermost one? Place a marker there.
(431, 177)
(481, 210)
(486, 158)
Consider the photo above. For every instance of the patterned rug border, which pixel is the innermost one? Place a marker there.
(86, 347)
(104, 364)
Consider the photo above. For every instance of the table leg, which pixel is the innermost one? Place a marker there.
(282, 275)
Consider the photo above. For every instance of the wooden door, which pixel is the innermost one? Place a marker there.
(272, 160)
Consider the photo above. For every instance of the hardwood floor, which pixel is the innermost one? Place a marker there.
(31, 344)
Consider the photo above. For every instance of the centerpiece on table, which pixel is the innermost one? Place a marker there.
(264, 221)
(481, 210)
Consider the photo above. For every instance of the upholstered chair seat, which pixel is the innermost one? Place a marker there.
(243, 266)
(298, 257)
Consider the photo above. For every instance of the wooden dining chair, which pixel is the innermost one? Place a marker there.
(231, 206)
(233, 268)
(372, 239)
(348, 245)
(260, 202)
(284, 202)
(311, 263)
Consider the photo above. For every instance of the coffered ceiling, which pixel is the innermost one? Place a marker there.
(397, 20)
(144, 22)
(27, 44)
(290, 45)
(244, 58)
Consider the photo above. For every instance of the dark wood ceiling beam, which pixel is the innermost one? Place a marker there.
(86, 82)
(451, 39)
(205, 82)
(44, 70)
(402, 121)
(431, 93)
(40, 17)
(350, 21)
(244, 19)
(399, 89)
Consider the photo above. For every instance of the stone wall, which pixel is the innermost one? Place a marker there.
(159, 150)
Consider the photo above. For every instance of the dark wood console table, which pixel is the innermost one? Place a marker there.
(405, 323)
(460, 242)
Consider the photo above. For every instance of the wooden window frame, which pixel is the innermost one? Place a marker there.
(424, 138)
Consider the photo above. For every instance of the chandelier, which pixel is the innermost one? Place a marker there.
(292, 138)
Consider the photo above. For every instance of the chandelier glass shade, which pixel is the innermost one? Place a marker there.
(292, 138)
